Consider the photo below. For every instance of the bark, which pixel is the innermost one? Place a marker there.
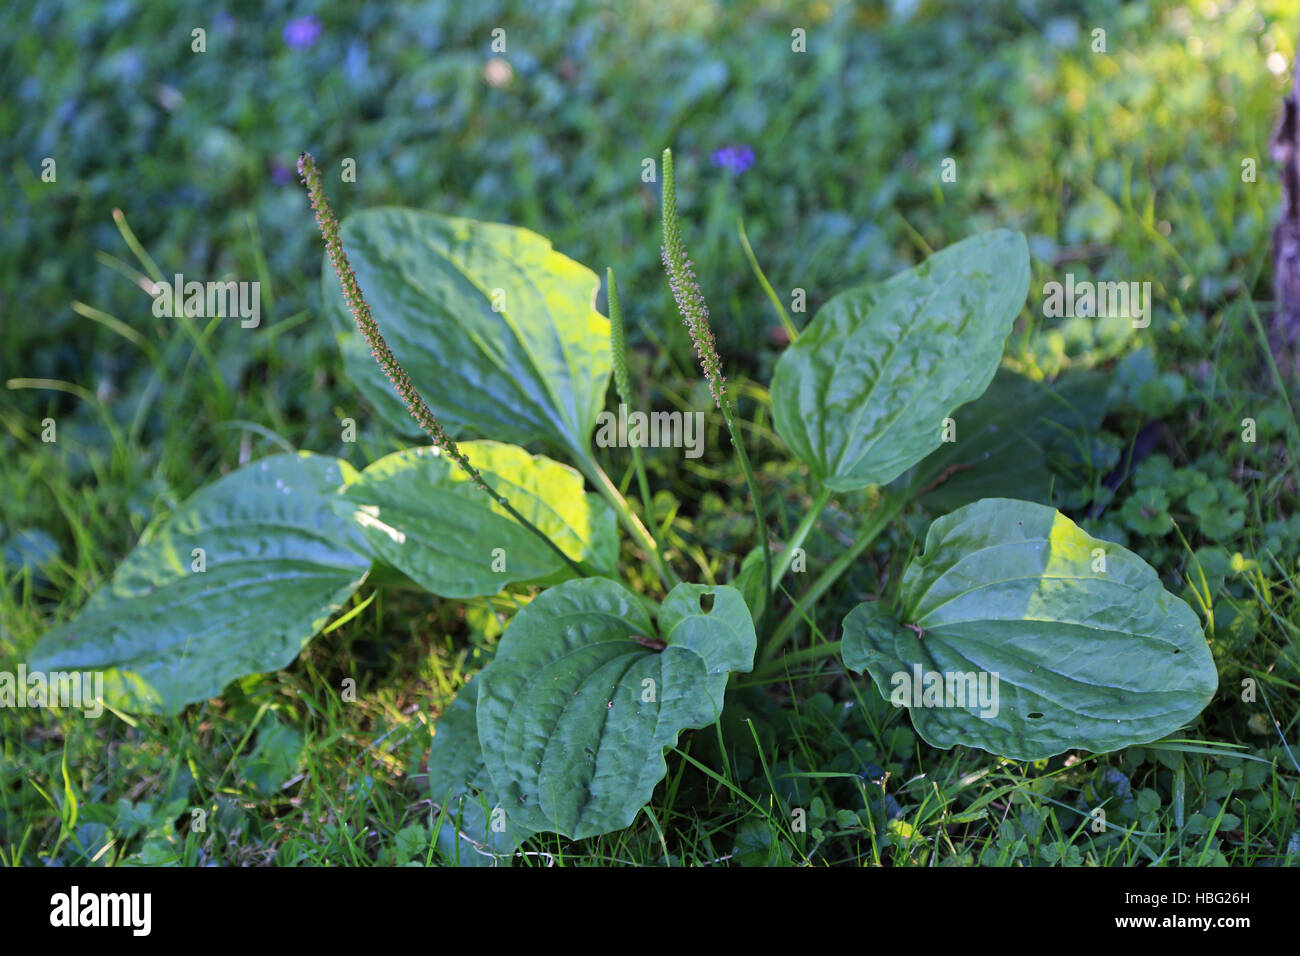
(1284, 334)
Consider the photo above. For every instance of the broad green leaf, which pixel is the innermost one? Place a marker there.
(462, 788)
(575, 711)
(1002, 440)
(425, 517)
(497, 330)
(861, 395)
(1089, 650)
(278, 562)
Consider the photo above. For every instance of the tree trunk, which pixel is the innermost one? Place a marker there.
(1285, 151)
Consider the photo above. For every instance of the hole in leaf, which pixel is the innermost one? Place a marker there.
(1034, 716)
(706, 601)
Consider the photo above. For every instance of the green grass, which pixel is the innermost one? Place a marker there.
(1125, 166)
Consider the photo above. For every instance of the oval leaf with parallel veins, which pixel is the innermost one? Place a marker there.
(424, 516)
(496, 329)
(462, 789)
(585, 693)
(1018, 633)
(235, 581)
(861, 394)
(1005, 439)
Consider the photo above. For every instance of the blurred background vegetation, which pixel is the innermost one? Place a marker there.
(1123, 165)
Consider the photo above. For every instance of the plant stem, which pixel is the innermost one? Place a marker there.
(886, 510)
(623, 385)
(695, 315)
(397, 375)
(820, 500)
(609, 491)
(647, 501)
(784, 316)
(775, 667)
(739, 445)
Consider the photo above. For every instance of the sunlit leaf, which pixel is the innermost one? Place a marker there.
(497, 330)
(1088, 648)
(585, 693)
(424, 516)
(862, 394)
(277, 562)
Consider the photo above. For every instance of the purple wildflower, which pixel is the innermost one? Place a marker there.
(734, 159)
(302, 32)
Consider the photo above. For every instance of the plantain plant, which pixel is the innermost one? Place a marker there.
(483, 329)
